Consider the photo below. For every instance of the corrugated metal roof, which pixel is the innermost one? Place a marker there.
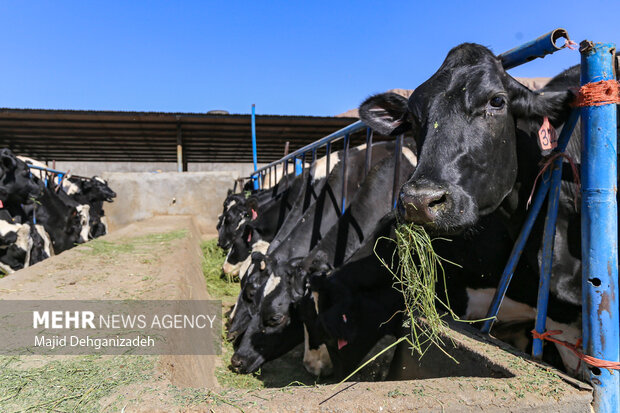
(73, 135)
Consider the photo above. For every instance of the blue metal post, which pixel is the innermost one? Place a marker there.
(345, 152)
(599, 228)
(547, 256)
(541, 193)
(540, 47)
(298, 167)
(254, 153)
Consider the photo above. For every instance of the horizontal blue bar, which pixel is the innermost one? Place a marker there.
(339, 134)
(540, 47)
(40, 168)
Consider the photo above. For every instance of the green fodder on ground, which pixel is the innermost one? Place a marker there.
(74, 383)
(101, 247)
(219, 286)
(222, 288)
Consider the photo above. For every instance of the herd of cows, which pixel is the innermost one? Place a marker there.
(311, 274)
(41, 216)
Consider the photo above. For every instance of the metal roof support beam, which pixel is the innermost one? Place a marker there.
(181, 162)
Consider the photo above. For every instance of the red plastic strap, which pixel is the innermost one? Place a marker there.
(571, 44)
(592, 361)
(547, 162)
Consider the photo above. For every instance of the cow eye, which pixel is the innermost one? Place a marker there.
(498, 102)
(275, 320)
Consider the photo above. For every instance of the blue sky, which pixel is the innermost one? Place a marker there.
(288, 57)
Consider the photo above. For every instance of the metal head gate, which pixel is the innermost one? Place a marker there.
(600, 313)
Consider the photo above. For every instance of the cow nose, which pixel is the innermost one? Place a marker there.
(421, 206)
(236, 362)
(232, 336)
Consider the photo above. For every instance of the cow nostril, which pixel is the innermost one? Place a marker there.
(442, 199)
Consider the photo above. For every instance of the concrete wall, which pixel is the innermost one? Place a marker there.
(98, 168)
(143, 195)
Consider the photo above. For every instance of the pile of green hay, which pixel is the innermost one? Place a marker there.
(418, 270)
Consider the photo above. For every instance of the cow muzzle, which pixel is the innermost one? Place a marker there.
(421, 205)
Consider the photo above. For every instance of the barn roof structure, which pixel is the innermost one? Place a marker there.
(69, 135)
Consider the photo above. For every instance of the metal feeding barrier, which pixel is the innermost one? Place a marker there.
(600, 313)
(599, 219)
(49, 172)
(268, 174)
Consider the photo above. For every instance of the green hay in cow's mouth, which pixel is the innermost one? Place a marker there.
(416, 275)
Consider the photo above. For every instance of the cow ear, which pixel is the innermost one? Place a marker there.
(385, 113)
(525, 103)
(8, 161)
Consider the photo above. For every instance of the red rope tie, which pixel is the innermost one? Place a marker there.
(592, 361)
(605, 92)
(546, 163)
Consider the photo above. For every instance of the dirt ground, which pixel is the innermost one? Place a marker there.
(161, 258)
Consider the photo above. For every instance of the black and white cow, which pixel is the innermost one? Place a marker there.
(92, 192)
(476, 128)
(302, 231)
(276, 319)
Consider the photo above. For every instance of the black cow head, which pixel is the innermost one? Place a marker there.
(275, 327)
(251, 280)
(16, 184)
(464, 121)
(237, 212)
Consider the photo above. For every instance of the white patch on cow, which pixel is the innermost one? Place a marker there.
(320, 166)
(260, 246)
(231, 204)
(571, 334)
(6, 269)
(245, 266)
(228, 268)
(69, 187)
(47, 242)
(410, 156)
(35, 172)
(315, 297)
(6, 227)
(232, 312)
(104, 221)
(99, 179)
(23, 241)
(243, 221)
(316, 361)
(84, 211)
(510, 310)
(272, 283)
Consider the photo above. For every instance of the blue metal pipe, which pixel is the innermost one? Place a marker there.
(345, 152)
(540, 47)
(299, 168)
(40, 168)
(547, 256)
(513, 260)
(599, 228)
(254, 153)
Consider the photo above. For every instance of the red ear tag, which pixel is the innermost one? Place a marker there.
(547, 136)
(344, 318)
(250, 236)
(1, 204)
(341, 343)
(254, 215)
